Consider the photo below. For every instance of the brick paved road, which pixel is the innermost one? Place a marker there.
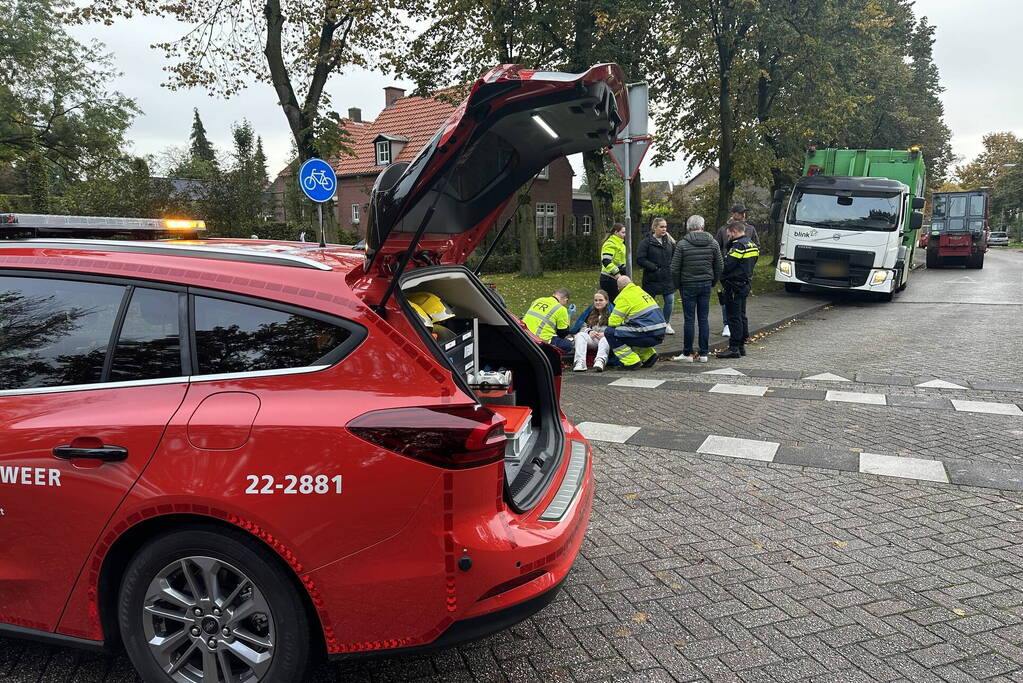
(700, 567)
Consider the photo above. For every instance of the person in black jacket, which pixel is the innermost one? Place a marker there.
(736, 281)
(695, 269)
(738, 215)
(654, 258)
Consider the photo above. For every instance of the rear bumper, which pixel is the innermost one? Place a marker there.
(464, 566)
(474, 628)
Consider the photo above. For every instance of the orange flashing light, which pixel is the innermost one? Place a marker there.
(175, 224)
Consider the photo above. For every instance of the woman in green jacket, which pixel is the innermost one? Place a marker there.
(612, 260)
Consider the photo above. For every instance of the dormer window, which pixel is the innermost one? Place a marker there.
(383, 152)
(388, 148)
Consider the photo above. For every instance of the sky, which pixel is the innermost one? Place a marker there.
(977, 53)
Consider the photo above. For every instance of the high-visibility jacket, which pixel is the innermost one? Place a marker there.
(636, 314)
(546, 317)
(612, 256)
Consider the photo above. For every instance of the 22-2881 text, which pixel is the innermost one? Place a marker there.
(305, 484)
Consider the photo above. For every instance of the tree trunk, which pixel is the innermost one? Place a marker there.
(525, 224)
(778, 182)
(726, 181)
(299, 118)
(603, 213)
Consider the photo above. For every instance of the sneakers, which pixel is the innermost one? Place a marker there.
(649, 362)
(726, 332)
(598, 365)
(684, 357)
(580, 367)
(730, 353)
(669, 330)
(704, 359)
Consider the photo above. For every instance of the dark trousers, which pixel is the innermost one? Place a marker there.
(696, 304)
(631, 350)
(609, 285)
(562, 344)
(738, 325)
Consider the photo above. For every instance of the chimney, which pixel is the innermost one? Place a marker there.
(355, 115)
(392, 95)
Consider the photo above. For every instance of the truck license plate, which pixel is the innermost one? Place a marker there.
(833, 269)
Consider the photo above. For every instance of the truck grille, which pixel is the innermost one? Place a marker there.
(833, 267)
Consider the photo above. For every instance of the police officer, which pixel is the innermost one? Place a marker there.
(635, 325)
(612, 260)
(547, 318)
(736, 282)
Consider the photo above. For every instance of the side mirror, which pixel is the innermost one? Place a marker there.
(916, 220)
(776, 211)
(779, 195)
(918, 203)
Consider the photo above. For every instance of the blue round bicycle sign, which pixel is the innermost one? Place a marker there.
(317, 179)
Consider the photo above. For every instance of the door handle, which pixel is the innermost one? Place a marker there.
(105, 453)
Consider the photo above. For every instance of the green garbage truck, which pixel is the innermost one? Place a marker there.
(852, 220)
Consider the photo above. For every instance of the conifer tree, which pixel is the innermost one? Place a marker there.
(201, 149)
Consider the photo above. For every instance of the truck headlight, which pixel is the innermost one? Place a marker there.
(878, 277)
(785, 267)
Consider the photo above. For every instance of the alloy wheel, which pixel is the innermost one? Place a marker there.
(205, 621)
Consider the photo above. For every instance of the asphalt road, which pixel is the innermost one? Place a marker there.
(707, 560)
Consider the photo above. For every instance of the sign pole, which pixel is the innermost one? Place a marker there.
(319, 212)
(628, 211)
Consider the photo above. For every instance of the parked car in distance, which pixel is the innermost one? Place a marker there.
(998, 239)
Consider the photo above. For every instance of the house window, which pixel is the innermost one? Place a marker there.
(355, 213)
(544, 174)
(585, 225)
(383, 152)
(546, 215)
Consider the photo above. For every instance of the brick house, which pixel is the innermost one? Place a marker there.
(401, 130)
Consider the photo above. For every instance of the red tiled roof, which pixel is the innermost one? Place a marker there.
(416, 118)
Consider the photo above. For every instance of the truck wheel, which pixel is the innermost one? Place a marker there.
(203, 604)
(793, 287)
(932, 259)
(976, 262)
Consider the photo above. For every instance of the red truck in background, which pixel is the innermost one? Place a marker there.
(959, 229)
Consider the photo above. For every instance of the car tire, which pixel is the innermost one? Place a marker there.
(793, 287)
(166, 616)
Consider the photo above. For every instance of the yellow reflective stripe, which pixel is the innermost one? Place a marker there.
(754, 254)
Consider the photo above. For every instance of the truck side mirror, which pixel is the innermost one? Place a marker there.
(916, 220)
(776, 211)
(918, 203)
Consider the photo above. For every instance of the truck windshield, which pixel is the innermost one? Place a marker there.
(847, 213)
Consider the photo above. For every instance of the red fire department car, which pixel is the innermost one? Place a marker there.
(231, 456)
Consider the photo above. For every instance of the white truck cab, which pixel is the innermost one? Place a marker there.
(842, 232)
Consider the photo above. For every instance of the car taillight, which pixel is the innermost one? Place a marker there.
(453, 438)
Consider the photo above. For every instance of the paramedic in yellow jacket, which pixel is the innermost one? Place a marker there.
(635, 326)
(612, 260)
(547, 318)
